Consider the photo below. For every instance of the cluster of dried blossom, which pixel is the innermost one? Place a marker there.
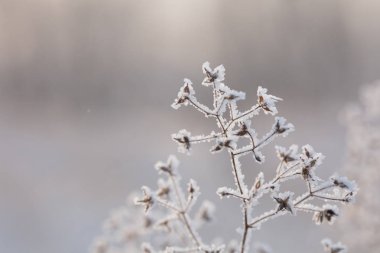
(361, 224)
(170, 225)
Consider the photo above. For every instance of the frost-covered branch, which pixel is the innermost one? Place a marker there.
(235, 125)
(174, 217)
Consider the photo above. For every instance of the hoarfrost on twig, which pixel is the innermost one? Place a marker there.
(233, 125)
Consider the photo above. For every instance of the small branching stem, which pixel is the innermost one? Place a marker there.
(183, 212)
(252, 110)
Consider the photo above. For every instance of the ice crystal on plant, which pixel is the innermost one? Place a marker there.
(171, 204)
(327, 212)
(267, 102)
(213, 76)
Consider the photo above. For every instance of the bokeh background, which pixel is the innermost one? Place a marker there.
(86, 88)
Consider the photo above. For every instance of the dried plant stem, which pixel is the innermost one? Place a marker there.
(195, 238)
(251, 225)
(239, 183)
(183, 213)
(243, 115)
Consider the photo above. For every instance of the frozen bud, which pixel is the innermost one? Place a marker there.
(259, 157)
(164, 188)
(206, 212)
(333, 248)
(328, 213)
(267, 102)
(226, 192)
(183, 95)
(224, 142)
(350, 197)
(344, 183)
(259, 182)
(282, 127)
(213, 76)
(285, 202)
(183, 139)
(287, 155)
(169, 167)
(147, 200)
(310, 160)
(231, 95)
(243, 130)
(193, 189)
(311, 157)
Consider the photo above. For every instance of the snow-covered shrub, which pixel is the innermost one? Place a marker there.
(361, 224)
(170, 224)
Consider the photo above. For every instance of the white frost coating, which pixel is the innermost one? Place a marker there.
(239, 176)
(204, 138)
(224, 142)
(228, 192)
(201, 107)
(287, 155)
(259, 182)
(148, 199)
(226, 97)
(183, 138)
(259, 188)
(172, 205)
(230, 94)
(184, 94)
(344, 183)
(310, 161)
(309, 208)
(331, 247)
(269, 215)
(213, 76)
(193, 192)
(327, 212)
(281, 127)
(267, 102)
(169, 167)
(310, 157)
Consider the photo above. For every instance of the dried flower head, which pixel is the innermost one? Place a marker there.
(267, 102)
(147, 200)
(285, 202)
(213, 76)
(328, 213)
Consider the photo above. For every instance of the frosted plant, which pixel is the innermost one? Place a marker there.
(361, 224)
(333, 248)
(171, 204)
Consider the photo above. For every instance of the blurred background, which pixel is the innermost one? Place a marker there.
(86, 88)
